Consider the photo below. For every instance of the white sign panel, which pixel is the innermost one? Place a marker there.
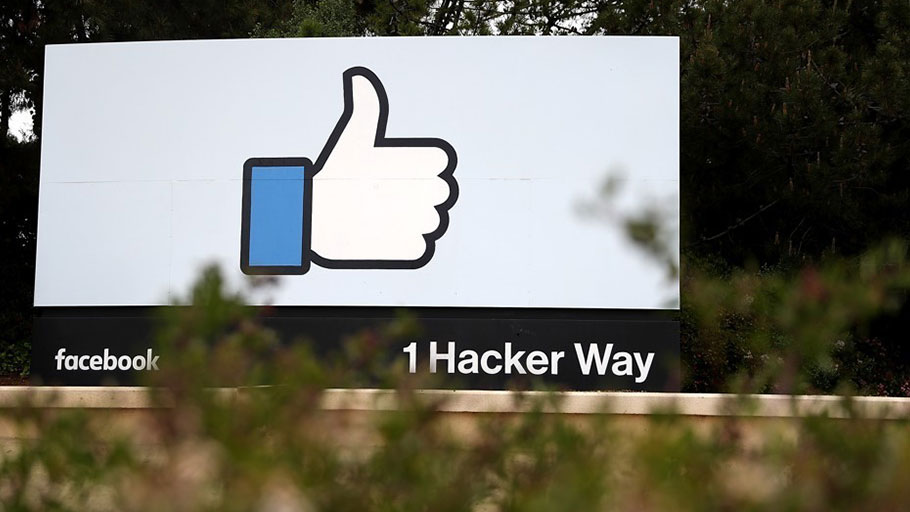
(363, 172)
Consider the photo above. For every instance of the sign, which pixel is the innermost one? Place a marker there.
(445, 175)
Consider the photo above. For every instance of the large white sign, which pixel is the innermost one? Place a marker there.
(380, 172)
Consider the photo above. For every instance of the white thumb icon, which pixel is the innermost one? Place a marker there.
(378, 202)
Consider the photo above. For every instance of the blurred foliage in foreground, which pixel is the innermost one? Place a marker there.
(273, 448)
(834, 326)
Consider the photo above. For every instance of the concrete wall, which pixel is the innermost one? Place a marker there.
(349, 413)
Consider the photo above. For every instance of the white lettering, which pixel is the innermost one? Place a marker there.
(449, 357)
(485, 362)
(537, 362)
(594, 355)
(59, 358)
(621, 362)
(105, 361)
(411, 351)
(554, 361)
(643, 367)
(468, 363)
(512, 360)
(624, 360)
(110, 362)
(151, 362)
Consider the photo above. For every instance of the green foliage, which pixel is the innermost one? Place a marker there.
(789, 118)
(18, 188)
(776, 332)
(275, 447)
(326, 18)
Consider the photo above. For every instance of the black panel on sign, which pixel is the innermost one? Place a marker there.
(489, 348)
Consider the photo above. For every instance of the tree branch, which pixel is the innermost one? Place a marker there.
(735, 226)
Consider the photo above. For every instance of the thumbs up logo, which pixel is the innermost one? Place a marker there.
(368, 202)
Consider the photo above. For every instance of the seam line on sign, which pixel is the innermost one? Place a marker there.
(175, 180)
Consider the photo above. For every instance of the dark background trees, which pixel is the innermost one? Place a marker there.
(794, 129)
